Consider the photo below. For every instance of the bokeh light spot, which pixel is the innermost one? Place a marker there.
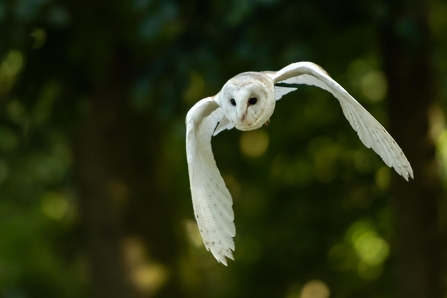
(374, 86)
(12, 64)
(368, 245)
(371, 248)
(383, 178)
(254, 143)
(192, 231)
(442, 151)
(9, 70)
(315, 289)
(40, 37)
(148, 276)
(54, 205)
(437, 121)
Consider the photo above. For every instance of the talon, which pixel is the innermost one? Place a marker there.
(267, 123)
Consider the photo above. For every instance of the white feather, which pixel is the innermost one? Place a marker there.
(281, 91)
(370, 131)
(211, 199)
(232, 107)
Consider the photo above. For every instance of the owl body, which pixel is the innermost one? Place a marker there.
(246, 102)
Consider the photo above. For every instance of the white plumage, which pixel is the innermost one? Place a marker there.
(246, 102)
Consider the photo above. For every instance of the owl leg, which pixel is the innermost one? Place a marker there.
(267, 123)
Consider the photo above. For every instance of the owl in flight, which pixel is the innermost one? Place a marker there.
(247, 102)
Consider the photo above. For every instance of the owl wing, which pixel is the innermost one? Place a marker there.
(280, 91)
(370, 131)
(210, 197)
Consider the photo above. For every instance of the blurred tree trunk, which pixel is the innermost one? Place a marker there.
(127, 219)
(103, 184)
(104, 170)
(408, 63)
(97, 171)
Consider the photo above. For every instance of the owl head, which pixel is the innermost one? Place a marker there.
(248, 100)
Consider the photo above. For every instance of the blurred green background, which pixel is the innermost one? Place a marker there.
(94, 190)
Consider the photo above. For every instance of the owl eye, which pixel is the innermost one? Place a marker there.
(233, 102)
(253, 100)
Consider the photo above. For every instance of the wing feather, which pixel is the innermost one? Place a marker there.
(281, 91)
(369, 130)
(211, 199)
(223, 124)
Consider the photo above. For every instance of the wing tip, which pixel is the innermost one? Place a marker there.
(406, 172)
(410, 174)
(222, 255)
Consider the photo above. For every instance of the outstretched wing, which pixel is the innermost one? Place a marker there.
(370, 131)
(210, 197)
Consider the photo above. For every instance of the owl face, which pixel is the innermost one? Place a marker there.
(248, 100)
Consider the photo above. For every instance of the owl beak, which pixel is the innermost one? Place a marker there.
(241, 112)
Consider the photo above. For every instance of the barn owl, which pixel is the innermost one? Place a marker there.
(247, 102)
